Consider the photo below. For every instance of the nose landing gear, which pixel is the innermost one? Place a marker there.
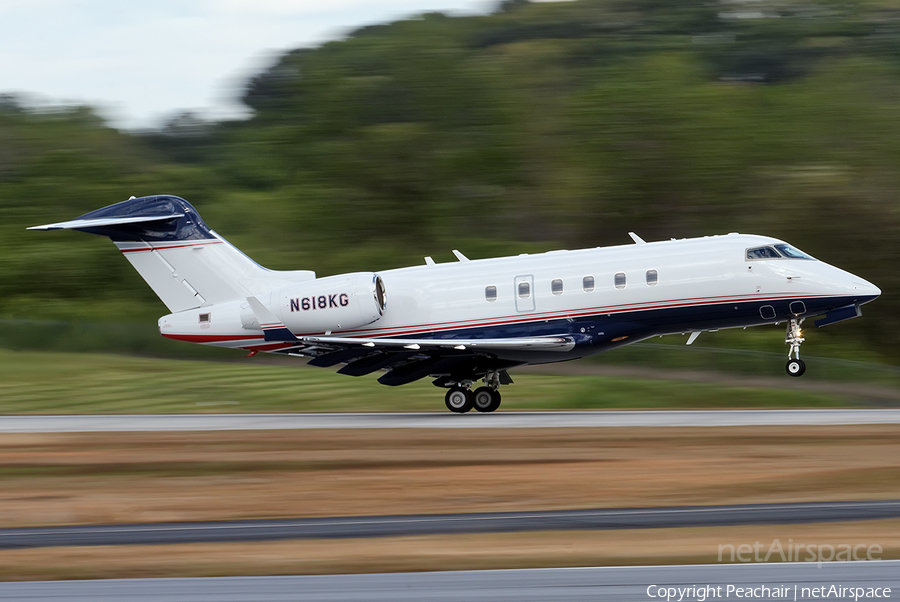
(793, 337)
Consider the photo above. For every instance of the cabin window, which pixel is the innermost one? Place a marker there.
(652, 277)
(620, 280)
(490, 293)
(587, 283)
(556, 287)
(204, 318)
(524, 290)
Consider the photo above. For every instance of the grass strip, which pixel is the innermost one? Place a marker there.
(69, 383)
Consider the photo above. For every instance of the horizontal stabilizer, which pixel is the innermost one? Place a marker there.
(560, 343)
(101, 222)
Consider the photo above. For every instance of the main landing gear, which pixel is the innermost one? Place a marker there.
(795, 366)
(460, 398)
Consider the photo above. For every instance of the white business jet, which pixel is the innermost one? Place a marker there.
(466, 321)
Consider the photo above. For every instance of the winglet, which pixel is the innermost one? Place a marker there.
(273, 328)
(637, 239)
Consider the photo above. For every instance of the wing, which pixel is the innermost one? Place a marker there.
(406, 360)
(555, 343)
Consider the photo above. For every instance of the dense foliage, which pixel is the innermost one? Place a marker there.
(539, 126)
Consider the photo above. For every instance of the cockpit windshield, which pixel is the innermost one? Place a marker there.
(762, 253)
(791, 253)
(779, 251)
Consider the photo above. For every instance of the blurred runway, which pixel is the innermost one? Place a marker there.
(429, 420)
(341, 527)
(527, 585)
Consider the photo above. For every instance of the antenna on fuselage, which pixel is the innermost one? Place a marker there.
(637, 239)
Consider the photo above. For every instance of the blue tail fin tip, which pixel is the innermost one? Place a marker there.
(188, 227)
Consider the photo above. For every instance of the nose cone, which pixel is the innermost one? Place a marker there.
(862, 289)
(866, 290)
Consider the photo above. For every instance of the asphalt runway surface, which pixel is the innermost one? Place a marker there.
(430, 420)
(342, 527)
(622, 584)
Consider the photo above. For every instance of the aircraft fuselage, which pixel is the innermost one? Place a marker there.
(663, 288)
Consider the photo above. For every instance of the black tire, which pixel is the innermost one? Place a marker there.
(484, 399)
(795, 367)
(459, 400)
(495, 394)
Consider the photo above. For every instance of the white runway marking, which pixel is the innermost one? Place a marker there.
(442, 420)
(623, 584)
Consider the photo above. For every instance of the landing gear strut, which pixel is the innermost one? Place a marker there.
(793, 337)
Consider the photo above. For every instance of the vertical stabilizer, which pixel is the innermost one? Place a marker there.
(185, 263)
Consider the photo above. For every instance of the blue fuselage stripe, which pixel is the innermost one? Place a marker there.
(603, 331)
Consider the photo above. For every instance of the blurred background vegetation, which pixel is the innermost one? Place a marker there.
(539, 126)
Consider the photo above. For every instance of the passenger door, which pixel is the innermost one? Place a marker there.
(523, 289)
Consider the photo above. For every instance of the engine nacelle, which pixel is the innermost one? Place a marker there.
(328, 304)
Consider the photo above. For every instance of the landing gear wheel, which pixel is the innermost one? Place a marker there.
(487, 399)
(795, 367)
(495, 393)
(459, 400)
(483, 399)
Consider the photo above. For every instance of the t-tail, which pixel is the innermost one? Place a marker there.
(185, 263)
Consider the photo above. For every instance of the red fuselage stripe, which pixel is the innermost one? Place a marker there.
(196, 244)
(211, 338)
